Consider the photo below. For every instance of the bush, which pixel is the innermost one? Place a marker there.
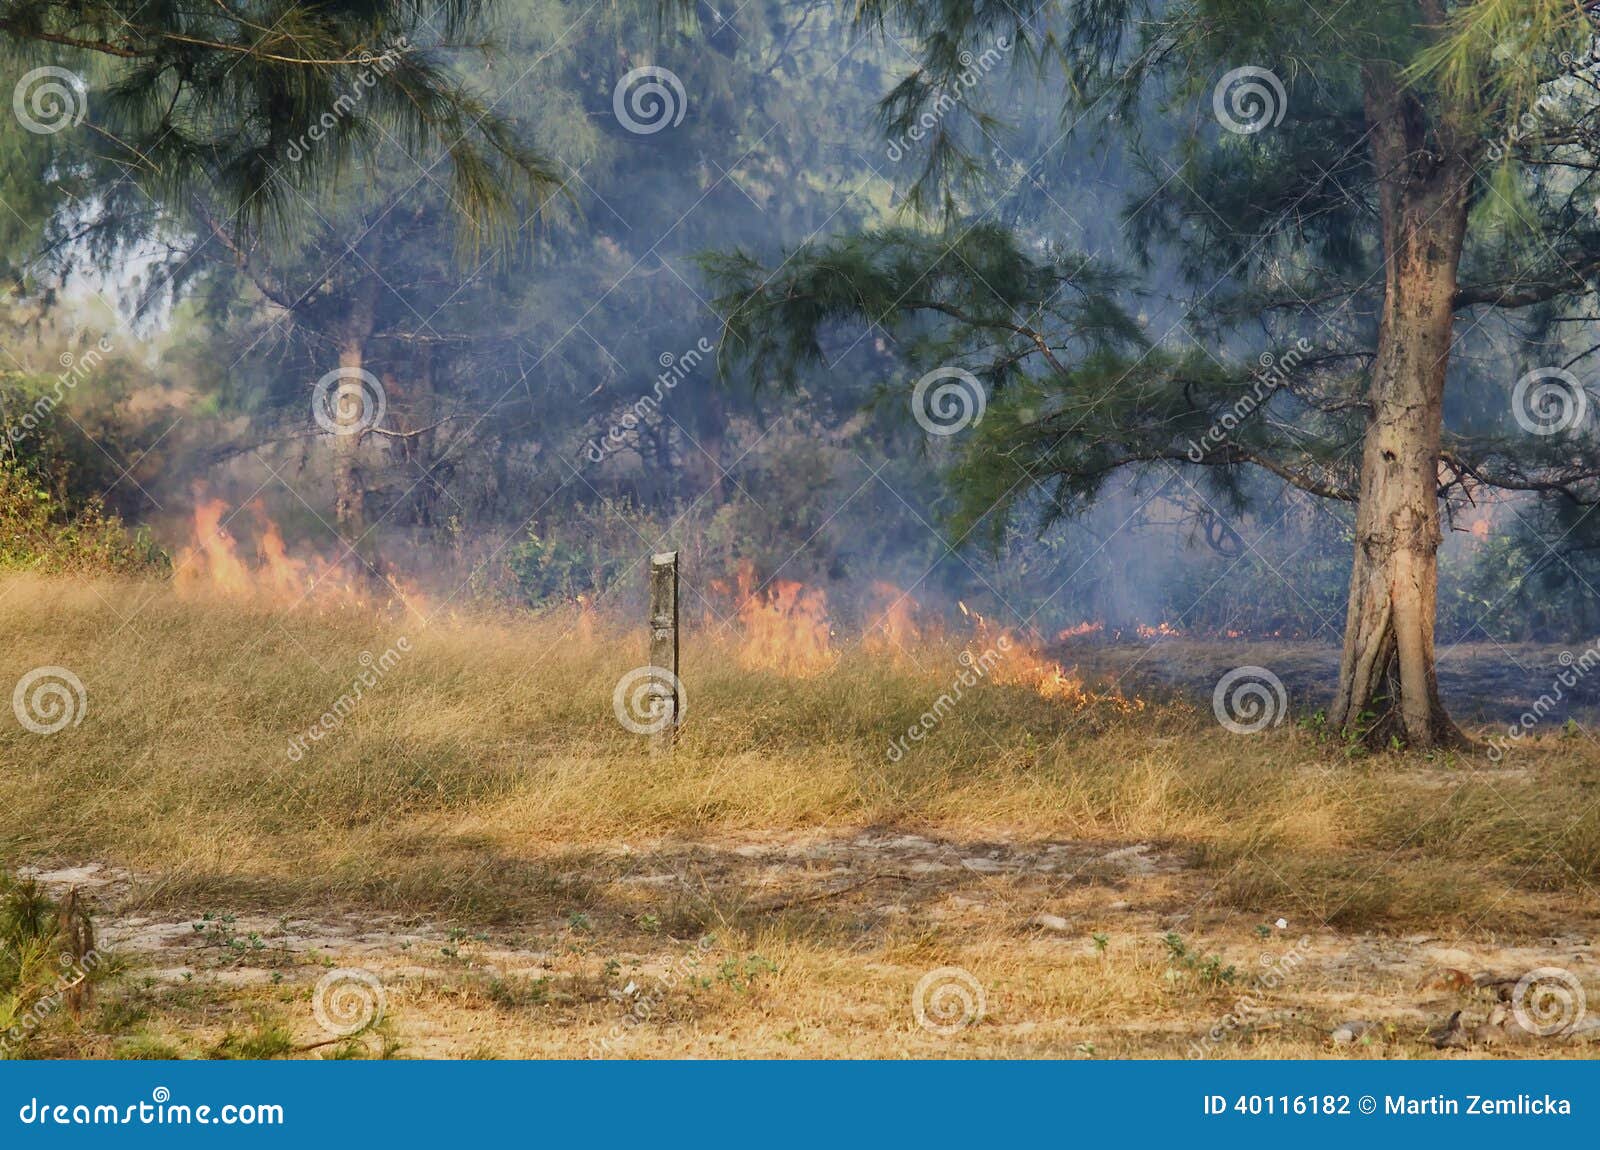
(39, 533)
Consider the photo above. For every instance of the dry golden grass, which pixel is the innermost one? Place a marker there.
(484, 787)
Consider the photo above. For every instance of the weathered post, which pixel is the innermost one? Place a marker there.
(667, 689)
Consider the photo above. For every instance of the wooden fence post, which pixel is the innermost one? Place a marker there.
(664, 645)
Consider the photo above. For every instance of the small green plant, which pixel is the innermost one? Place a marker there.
(742, 976)
(1206, 968)
(1101, 940)
(219, 930)
(512, 993)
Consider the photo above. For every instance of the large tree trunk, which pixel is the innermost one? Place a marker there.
(1388, 686)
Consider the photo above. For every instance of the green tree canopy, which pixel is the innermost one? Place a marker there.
(1348, 206)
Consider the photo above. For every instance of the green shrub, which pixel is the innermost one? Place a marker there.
(38, 533)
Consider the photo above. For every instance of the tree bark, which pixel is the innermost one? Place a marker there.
(349, 485)
(351, 407)
(1388, 684)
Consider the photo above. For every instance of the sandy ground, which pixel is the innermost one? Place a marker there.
(816, 944)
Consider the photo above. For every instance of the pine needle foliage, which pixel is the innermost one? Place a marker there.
(258, 103)
(1274, 235)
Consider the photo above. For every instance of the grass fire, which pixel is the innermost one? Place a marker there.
(538, 530)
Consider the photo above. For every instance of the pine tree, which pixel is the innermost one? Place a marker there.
(1351, 199)
(254, 104)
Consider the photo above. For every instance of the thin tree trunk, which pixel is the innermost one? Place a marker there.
(349, 485)
(1388, 685)
(418, 452)
(350, 452)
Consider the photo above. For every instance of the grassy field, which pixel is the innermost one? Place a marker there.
(517, 876)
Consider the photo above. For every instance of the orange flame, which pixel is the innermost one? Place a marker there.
(1024, 666)
(1079, 631)
(784, 626)
(211, 562)
(895, 628)
(1159, 631)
